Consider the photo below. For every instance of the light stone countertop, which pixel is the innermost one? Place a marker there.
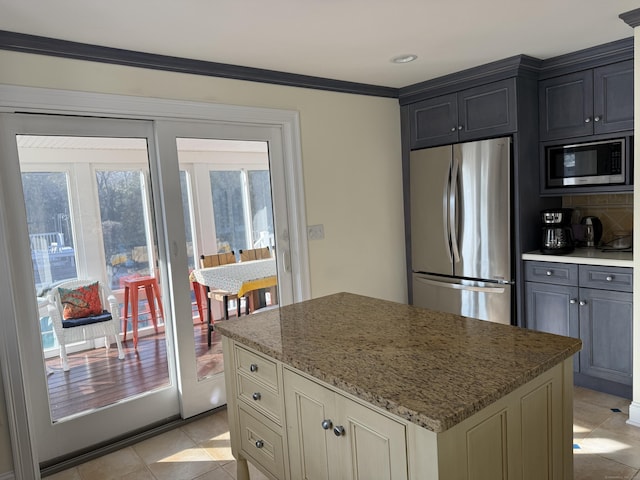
(585, 256)
(431, 368)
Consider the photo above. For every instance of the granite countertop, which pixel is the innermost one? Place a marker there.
(431, 368)
(586, 256)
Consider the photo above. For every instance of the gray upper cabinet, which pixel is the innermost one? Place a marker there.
(588, 102)
(480, 112)
(613, 99)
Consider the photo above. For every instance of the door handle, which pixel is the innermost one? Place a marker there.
(457, 286)
(453, 217)
(445, 212)
(286, 261)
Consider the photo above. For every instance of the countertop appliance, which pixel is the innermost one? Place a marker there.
(591, 163)
(557, 234)
(460, 229)
(592, 231)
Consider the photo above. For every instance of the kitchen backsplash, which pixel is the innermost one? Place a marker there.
(615, 211)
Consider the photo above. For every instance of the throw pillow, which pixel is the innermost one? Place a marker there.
(80, 302)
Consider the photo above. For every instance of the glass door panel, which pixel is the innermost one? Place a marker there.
(88, 215)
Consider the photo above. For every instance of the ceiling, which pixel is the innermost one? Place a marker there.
(351, 40)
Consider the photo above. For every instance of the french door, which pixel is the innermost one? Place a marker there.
(140, 166)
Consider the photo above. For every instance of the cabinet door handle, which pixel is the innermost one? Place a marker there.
(596, 119)
(338, 430)
(253, 367)
(583, 303)
(587, 120)
(327, 424)
(453, 129)
(259, 444)
(549, 273)
(573, 301)
(459, 127)
(609, 278)
(256, 396)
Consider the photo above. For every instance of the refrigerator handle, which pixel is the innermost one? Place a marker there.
(453, 211)
(445, 212)
(457, 286)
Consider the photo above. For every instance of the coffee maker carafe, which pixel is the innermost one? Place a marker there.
(557, 235)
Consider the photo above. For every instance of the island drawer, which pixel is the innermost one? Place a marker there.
(551, 272)
(262, 444)
(607, 278)
(256, 366)
(260, 397)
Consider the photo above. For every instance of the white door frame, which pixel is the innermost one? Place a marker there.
(17, 305)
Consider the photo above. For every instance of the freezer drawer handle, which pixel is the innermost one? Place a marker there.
(457, 286)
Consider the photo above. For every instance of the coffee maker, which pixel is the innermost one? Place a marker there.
(557, 235)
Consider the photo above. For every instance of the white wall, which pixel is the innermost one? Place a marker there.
(634, 409)
(350, 153)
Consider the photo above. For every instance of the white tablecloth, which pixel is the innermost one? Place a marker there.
(237, 278)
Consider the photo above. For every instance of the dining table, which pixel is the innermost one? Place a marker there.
(239, 279)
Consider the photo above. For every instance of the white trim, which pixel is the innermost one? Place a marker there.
(634, 414)
(7, 476)
(43, 100)
(40, 100)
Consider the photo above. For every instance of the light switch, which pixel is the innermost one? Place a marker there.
(315, 232)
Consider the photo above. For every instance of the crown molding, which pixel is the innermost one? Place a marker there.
(20, 42)
(631, 18)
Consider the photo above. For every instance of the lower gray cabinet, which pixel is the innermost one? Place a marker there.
(606, 329)
(594, 304)
(554, 309)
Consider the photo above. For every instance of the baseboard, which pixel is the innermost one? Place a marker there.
(7, 476)
(634, 414)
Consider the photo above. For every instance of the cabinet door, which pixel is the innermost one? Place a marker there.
(487, 111)
(307, 406)
(372, 446)
(606, 329)
(613, 97)
(566, 106)
(434, 121)
(553, 309)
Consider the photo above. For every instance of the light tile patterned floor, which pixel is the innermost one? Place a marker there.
(605, 448)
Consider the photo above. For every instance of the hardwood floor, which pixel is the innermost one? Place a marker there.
(97, 379)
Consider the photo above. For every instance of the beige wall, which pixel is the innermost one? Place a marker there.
(350, 153)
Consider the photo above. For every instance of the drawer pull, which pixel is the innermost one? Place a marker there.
(549, 273)
(253, 367)
(609, 278)
(338, 430)
(573, 301)
(327, 424)
(259, 444)
(256, 396)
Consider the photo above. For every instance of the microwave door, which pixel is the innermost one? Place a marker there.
(594, 163)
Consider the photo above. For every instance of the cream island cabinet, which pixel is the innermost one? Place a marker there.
(351, 387)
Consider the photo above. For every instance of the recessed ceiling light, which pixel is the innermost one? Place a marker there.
(404, 58)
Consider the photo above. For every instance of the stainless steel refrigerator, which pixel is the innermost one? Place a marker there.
(461, 229)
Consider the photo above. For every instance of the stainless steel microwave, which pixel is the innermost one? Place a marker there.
(593, 163)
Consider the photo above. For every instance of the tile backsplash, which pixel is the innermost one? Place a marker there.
(615, 211)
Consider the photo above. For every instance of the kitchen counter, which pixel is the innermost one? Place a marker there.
(429, 368)
(585, 256)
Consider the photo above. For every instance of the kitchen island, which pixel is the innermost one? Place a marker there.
(347, 386)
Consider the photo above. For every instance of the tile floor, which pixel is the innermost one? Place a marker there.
(605, 448)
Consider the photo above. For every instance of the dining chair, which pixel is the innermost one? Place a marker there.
(255, 254)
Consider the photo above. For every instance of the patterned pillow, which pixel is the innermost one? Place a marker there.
(80, 302)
